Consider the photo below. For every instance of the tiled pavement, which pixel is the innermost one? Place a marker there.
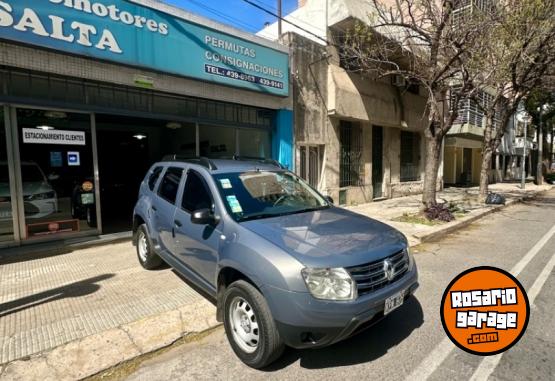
(50, 301)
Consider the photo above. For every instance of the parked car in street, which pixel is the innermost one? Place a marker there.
(284, 265)
(39, 198)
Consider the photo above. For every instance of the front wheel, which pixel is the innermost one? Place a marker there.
(249, 326)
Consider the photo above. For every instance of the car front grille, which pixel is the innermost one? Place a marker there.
(372, 276)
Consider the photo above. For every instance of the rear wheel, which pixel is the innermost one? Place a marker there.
(147, 257)
(249, 326)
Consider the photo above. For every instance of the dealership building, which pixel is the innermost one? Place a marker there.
(93, 92)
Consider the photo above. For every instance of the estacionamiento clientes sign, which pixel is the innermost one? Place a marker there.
(133, 34)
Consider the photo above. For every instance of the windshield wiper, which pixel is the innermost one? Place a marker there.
(260, 216)
(270, 215)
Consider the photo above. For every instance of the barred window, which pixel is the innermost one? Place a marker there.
(350, 168)
(410, 156)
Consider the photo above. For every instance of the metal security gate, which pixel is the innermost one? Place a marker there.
(311, 163)
(377, 161)
(350, 166)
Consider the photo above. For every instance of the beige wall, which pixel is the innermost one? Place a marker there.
(352, 96)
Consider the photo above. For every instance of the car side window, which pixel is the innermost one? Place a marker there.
(153, 178)
(196, 194)
(170, 184)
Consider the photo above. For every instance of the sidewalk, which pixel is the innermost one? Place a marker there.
(70, 316)
(88, 310)
(390, 210)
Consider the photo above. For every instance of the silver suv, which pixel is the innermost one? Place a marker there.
(283, 264)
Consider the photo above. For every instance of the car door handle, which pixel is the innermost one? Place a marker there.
(178, 223)
(154, 208)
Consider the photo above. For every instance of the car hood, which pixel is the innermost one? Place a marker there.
(36, 187)
(29, 188)
(331, 237)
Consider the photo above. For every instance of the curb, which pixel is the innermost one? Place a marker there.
(452, 227)
(96, 353)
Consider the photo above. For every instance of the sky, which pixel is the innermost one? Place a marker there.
(236, 13)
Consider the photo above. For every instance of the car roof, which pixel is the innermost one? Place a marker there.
(219, 166)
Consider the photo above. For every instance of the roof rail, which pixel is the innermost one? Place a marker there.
(204, 161)
(259, 159)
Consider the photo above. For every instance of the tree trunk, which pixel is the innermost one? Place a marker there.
(433, 155)
(487, 153)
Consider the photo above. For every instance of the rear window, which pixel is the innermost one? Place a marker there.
(170, 184)
(153, 178)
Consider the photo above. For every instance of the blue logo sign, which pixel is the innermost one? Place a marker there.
(129, 33)
(73, 159)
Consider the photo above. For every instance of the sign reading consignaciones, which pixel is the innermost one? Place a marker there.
(130, 33)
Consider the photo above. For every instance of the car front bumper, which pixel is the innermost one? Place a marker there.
(306, 322)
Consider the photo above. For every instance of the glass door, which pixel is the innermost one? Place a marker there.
(56, 173)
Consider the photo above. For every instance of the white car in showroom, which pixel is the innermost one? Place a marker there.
(40, 199)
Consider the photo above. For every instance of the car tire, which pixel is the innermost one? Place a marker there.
(248, 319)
(147, 257)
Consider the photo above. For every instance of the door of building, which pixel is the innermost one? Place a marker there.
(377, 161)
(466, 177)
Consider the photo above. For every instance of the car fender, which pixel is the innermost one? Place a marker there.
(261, 261)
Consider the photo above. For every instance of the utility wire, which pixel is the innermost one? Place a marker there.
(290, 16)
(285, 20)
(232, 20)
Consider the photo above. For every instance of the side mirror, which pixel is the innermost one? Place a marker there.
(204, 217)
(53, 177)
(329, 199)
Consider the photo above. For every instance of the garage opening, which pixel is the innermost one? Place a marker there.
(127, 147)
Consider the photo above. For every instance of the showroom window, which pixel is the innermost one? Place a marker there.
(56, 172)
(410, 156)
(217, 141)
(254, 143)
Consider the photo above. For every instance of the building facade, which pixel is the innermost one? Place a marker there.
(93, 92)
(357, 139)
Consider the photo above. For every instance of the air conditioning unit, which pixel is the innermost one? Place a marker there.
(399, 81)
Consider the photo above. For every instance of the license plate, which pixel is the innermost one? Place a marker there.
(394, 301)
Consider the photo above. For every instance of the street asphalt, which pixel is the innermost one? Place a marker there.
(411, 344)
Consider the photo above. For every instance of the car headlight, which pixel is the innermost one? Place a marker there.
(330, 284)
(410, 257)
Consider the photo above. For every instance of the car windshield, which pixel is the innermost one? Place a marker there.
(264, 194)
(31, 173)
(4, 175)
